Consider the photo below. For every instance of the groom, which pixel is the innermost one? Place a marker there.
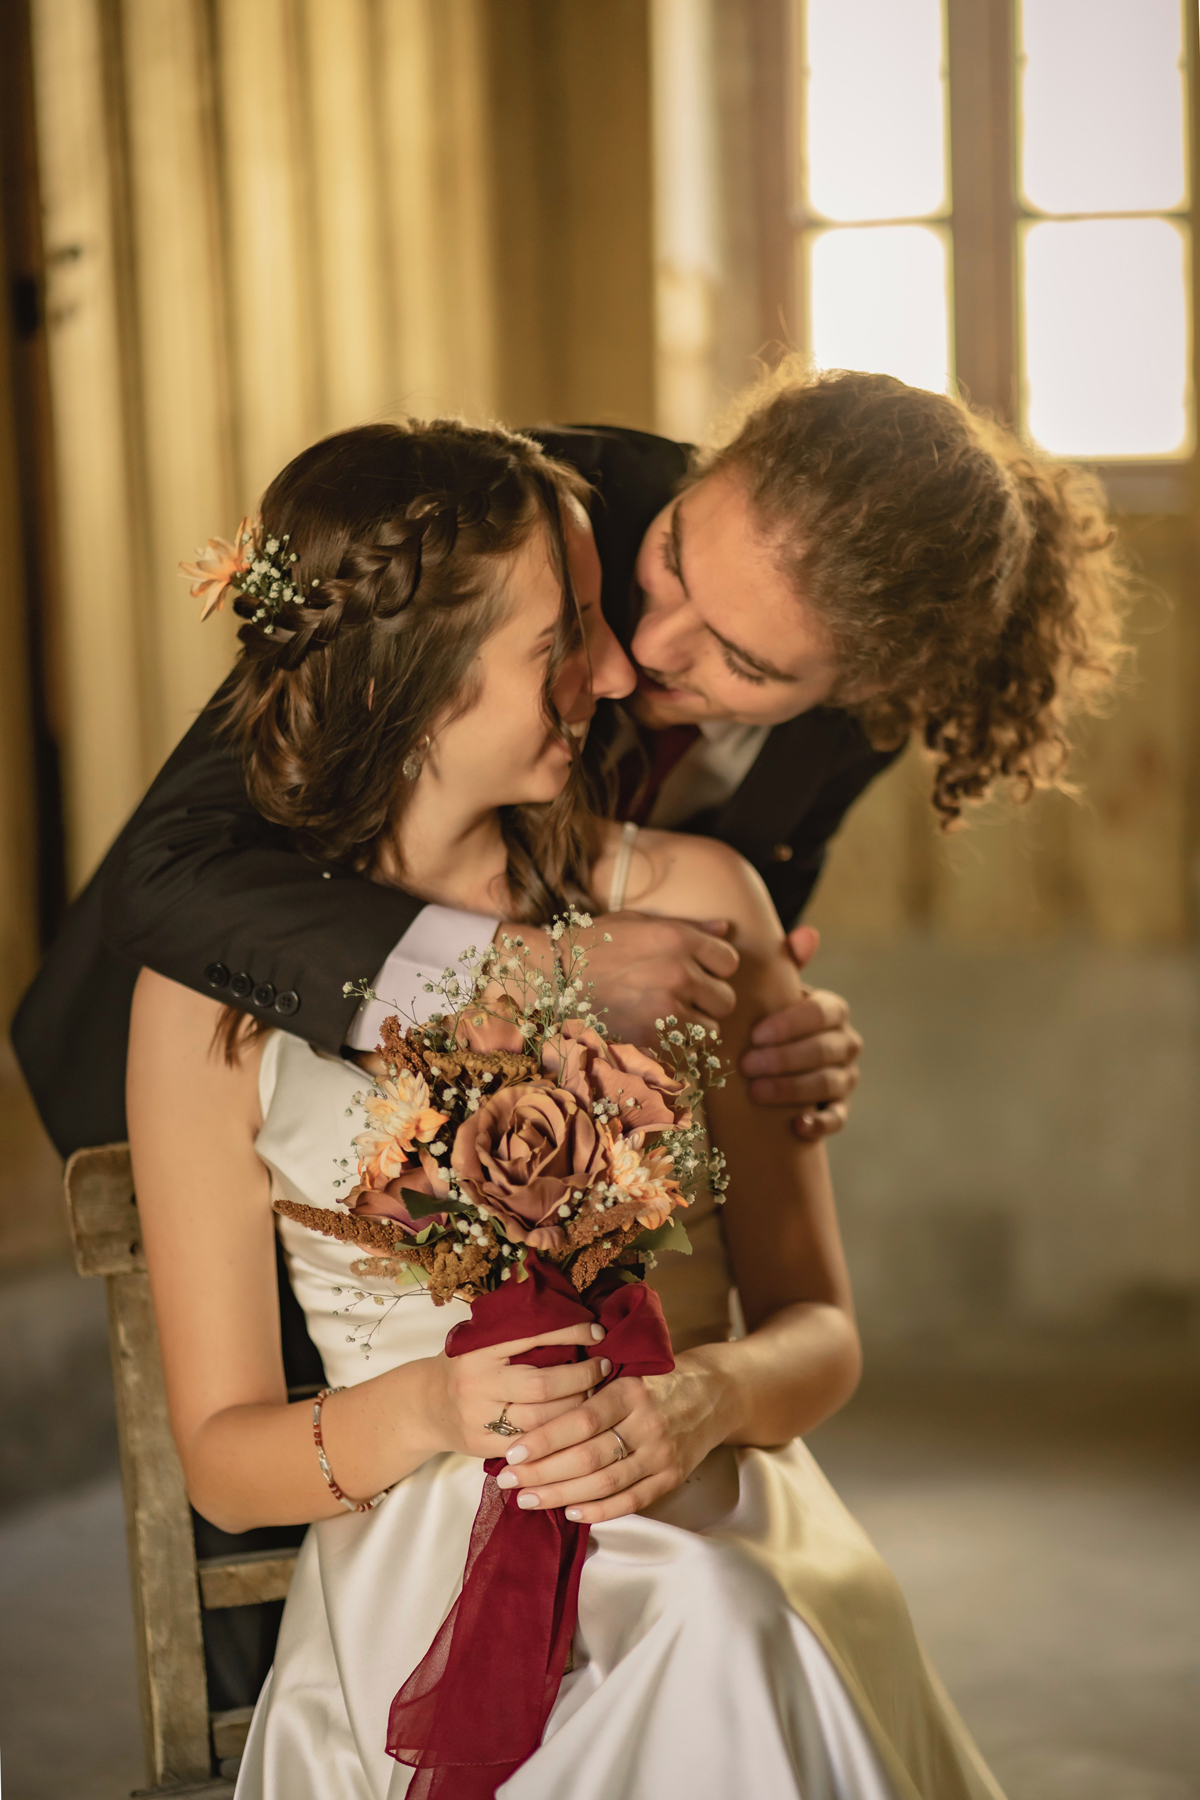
(201, 888)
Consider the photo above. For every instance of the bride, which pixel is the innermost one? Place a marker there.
(423, 648)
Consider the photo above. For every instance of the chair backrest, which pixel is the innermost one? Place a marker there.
(189, 1750)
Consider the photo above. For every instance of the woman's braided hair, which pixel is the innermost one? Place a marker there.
(970, 583)
(398, 533)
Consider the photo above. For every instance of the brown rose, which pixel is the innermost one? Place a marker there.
(591, 1068)
(523, 1153)
(387, 1202)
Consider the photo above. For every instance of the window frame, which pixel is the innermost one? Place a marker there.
(983, 222)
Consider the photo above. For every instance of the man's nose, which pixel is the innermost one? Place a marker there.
(660, 639)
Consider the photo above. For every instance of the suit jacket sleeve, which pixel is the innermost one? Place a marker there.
(204, 890)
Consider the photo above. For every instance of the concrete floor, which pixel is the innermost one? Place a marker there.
(1049, 1546)
(1050, 1552)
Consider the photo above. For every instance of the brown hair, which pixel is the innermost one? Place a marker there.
(397, 531)
(970, 583)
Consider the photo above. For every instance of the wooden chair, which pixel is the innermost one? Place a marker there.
(189, 1750)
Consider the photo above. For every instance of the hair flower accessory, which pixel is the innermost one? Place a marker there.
(217, 567)
(259, 575)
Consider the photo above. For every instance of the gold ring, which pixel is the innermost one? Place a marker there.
(502, 1426)
(623, 1444)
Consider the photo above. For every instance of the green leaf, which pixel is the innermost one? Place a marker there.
(420, 1206)
(670, 1236)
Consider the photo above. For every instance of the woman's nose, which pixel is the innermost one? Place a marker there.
(613, 675)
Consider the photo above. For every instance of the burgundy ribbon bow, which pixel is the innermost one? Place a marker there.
(475, 1707)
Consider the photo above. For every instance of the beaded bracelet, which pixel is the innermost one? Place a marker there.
(327, 1472)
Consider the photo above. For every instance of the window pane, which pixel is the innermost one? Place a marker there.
(874, 108)
(878, 301)
(1103, 98)
(1106, 338)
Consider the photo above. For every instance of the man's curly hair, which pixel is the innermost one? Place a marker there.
(971, 584)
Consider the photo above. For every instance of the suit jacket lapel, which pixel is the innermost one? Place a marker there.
(796, 762)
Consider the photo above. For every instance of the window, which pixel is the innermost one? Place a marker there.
(875, 245)
(1077, 206)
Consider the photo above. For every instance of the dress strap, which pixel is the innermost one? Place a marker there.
(268, 1070)
(620, 874)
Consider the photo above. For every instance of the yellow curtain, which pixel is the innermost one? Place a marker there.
(264, 220)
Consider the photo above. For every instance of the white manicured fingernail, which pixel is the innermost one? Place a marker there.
(605, 1366)
(527, 1501)
(517, 1454)
(597, 1333)
(506, 1479)
(574, 1513)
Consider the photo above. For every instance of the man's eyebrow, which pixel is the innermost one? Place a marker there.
(677, 544)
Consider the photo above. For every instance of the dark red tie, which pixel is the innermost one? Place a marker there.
(643, 769)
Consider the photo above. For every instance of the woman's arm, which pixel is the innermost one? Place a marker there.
(204, 1202)
(801, 1360)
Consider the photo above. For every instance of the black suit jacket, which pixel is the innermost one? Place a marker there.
(200, 887)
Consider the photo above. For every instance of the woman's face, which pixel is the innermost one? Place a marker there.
(503, 751)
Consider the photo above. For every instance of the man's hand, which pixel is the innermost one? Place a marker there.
(806, 1056)
(654, 967)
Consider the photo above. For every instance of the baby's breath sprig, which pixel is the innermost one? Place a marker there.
(691, 1051)
(267, 580)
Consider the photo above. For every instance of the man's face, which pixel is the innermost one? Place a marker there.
(722, 635)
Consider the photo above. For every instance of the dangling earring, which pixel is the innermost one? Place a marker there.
(414, 762)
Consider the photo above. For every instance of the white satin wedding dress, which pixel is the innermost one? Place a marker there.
(745, 1640)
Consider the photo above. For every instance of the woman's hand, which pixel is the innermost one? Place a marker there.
(470, 1391)
(667, 1423)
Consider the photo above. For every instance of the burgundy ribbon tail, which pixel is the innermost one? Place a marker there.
(475, 1707)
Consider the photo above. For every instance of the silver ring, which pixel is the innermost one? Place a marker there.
(624, 1446)
(503, 1426)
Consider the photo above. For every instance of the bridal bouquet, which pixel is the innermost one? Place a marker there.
(515, 1157)
(509, 1130)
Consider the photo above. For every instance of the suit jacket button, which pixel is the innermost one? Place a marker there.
(287, 1003)
(240, 984)
(217, 975)
(782, 853)
(264, 994)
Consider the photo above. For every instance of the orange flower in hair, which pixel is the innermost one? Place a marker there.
(217, 567)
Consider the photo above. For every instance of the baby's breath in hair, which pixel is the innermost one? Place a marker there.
(267, 587)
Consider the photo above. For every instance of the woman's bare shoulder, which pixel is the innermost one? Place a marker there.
(700, 878)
